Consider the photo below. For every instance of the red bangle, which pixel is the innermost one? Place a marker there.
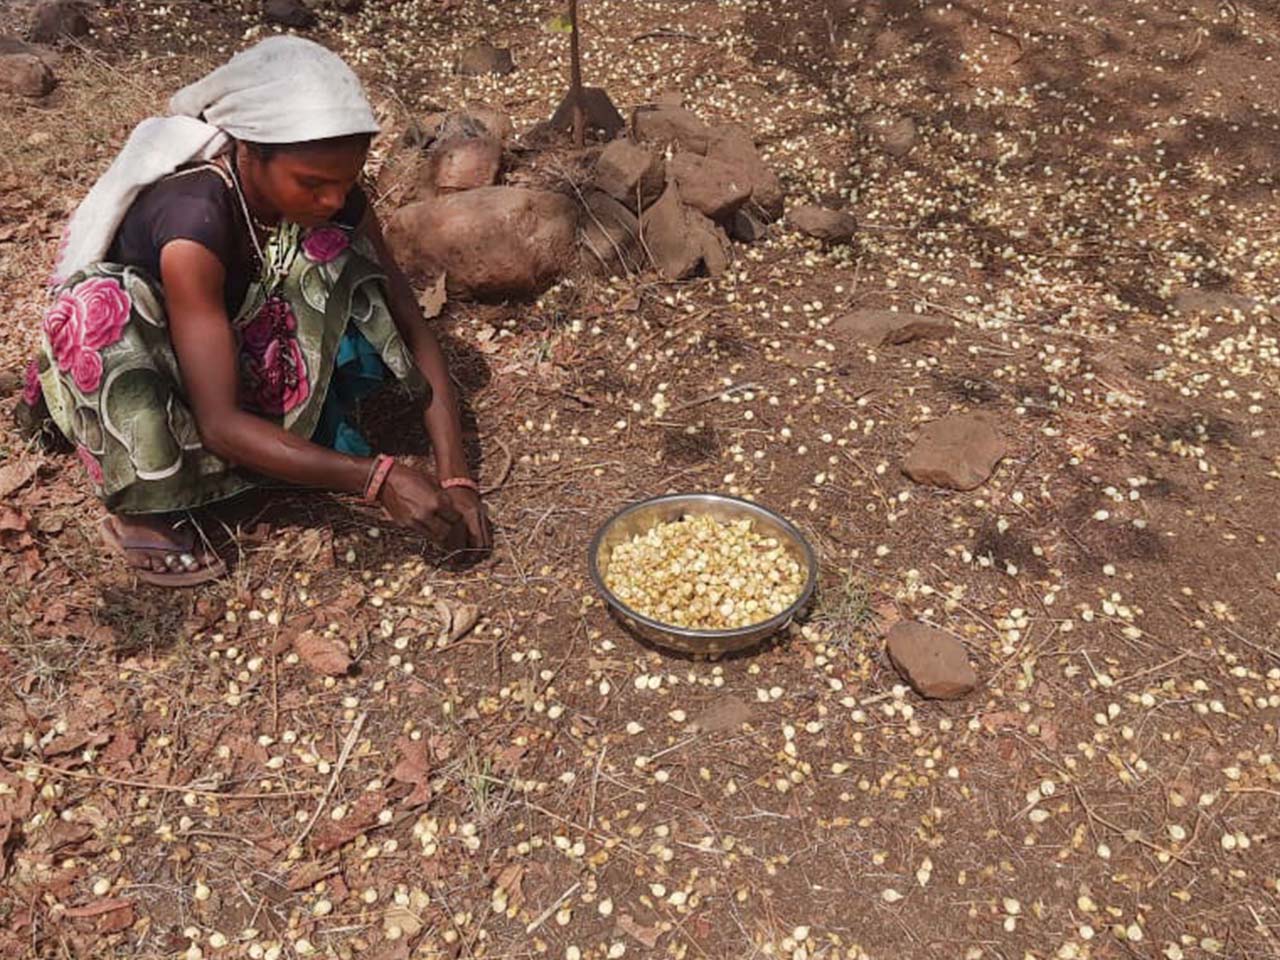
(382, 465)
(460, 482)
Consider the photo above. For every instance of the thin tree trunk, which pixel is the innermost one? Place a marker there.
(575, 80)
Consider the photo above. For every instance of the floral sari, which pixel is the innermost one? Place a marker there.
(308, 342)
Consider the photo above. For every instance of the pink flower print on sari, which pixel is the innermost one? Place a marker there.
(275, 375)
(32, 391)
(91, 464)
(83, 321)
(325, 243)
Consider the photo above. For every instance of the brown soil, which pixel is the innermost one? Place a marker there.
(1109, 791)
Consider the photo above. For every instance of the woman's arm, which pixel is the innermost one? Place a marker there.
(444, 426)
(205, 346)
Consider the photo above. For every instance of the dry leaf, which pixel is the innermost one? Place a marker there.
(96, 908)
(415, 768)
(407, 916)
(433, 299)
(16, 475)
(322, 654)
(459, 619)
(511, 879)
(646, 935)
(331, 834)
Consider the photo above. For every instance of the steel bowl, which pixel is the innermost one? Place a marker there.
(643, 516)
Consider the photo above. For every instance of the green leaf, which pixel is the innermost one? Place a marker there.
(560, 24)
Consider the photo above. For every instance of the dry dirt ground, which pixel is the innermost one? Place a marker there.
(1091, 197)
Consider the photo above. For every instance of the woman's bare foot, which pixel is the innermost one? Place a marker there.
(159, 552)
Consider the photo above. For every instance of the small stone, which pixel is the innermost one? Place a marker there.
(599, 113)
(625, 169)
(666, 124)
(289, 13)
(57, 19)
(1215, 303)
(878, 327)
(485, 58)
(934, 663)
(898, 137)
(746, 228)
(958, 452)
(26, 75)
(712, 187)
(830, 226)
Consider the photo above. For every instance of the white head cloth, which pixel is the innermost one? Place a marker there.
(282, 90)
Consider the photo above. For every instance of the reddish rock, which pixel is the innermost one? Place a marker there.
(732, 144)
(668, 124)
(878, 327)
(898, 137)
(934, 663)
(485, 58)
(959, 452)
(746, 227)
(610, 236)
(830, 226)
(25, 75)
(57, 19)
(289, 13)
(491, 242)
(463, 163)
(625, 169)
(712, 187)
(681, 239)
(599, 113)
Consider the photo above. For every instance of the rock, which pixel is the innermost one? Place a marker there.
(26, 75)
(671, 125)
(733, 145)
(494, 122)
(463, 163)
(745, 228)
(610, 236)
(681, 239)
(485, 58)
(348, 6)
(289, 13)
(897, 138)
(878, 327)
(669, 98)
(712, 187)
(934, 663)
(830, 226)
(1216, 303)
(600, 113)
(959, 452)
(624, 168)
(491, 242)
(56, 19)
(727, 714)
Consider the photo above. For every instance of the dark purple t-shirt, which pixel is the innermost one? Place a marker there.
(200, 205)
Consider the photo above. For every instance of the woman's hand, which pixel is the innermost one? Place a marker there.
(415, 500)
(468, 503)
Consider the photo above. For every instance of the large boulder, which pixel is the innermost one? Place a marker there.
(712, 187)
(627, 171)
(26, 75)
(492, 242)
(680, 239)
(485, 58)
(672, 125)
(830, 226)
(732, 144)
(56, 19)
(610, 236)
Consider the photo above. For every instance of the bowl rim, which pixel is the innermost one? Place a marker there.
(763, 627)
